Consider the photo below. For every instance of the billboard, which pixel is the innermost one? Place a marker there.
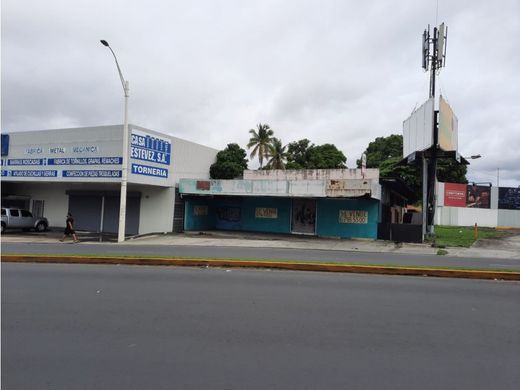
(448, 127)
(509, 198)
(455, 195)
(478, 196)
(467, 195)
(418, 129)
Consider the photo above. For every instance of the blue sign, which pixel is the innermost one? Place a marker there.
(106, 174)
(149, 155)
(27, 173)
(148, 148)
(85, 161)
(149, 171)
(5, 144)
(25, 161)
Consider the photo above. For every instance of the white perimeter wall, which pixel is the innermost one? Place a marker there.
(464, 216)
(460, 216)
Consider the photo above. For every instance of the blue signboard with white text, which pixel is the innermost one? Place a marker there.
(92, 173)
(150, 148)
(85, 161)
(147, 170)
(30, 173)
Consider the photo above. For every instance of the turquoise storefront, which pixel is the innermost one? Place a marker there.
(325, 217)
(345, 208)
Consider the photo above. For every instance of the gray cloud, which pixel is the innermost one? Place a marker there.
(341, 72)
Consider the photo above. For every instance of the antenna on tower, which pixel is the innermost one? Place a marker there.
(441, 45)
(426, 49)
(434, 52)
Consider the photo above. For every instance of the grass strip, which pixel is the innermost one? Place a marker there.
(464, 236)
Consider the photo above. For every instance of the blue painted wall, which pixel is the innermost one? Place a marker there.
(230, 213)
(199, 222)
(238, 213)
(328, 218)
(282, 224)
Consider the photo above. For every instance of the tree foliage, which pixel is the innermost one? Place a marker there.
(277, 155)
(261, 140)
(326, 156)
(230, 164)
(298, 154)
(304, 155)
(382, 149)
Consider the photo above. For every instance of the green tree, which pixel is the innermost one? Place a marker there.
(277, 155)
(231, 163)
(326, 156)
(382, 149)
(298, 154)
(449, 171)
(304, 155)
(260, 141)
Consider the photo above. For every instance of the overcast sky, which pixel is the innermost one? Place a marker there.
(341, 72)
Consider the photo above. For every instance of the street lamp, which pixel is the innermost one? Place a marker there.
(124, 163)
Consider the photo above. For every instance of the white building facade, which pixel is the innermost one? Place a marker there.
(52, 172)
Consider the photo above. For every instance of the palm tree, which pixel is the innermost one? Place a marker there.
(260, 141)
(277, 154)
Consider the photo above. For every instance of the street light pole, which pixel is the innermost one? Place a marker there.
(124, 162)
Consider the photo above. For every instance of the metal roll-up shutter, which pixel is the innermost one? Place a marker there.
(111, 215)
(86, 211)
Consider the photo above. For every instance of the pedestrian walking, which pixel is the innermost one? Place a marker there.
(69, 229)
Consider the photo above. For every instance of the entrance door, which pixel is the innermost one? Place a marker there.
(303, 216)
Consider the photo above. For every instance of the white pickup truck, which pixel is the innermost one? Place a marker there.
(22, 219)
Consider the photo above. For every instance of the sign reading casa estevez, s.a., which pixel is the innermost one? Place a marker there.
(151, 148)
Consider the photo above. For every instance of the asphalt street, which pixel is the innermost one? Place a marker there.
(266, 253)
(122, 327)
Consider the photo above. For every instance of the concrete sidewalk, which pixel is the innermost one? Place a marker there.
(508, 248)
(505, 248)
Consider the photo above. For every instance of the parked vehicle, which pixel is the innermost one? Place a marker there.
(22, 219)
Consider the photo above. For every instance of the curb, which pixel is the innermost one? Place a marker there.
(227, 263)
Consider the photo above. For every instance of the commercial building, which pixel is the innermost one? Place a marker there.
(79, 170)
(331, 202)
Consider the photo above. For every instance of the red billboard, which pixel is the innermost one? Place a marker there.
(454, 195)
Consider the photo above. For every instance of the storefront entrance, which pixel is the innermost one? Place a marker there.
(303, 216)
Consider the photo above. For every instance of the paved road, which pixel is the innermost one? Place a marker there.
(216, 252)
(119, 327)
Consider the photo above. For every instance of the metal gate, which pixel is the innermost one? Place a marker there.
(100, 212)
